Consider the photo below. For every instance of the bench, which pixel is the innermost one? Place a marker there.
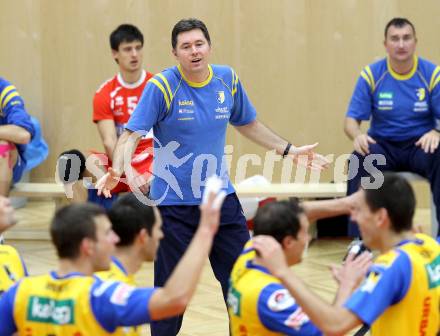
(300, 190)
(39, 190)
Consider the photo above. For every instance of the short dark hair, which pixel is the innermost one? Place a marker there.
(129, 216)
(125, 33)
(278, 219)
(71, 224)
(185, 25)
(398, 22)
(397, 197)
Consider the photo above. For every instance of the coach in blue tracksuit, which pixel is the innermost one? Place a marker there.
(400, 95)
(189, 107)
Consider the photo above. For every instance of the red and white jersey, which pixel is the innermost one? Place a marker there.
(116, 100)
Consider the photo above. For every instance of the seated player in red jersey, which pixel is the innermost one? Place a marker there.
(113, 104)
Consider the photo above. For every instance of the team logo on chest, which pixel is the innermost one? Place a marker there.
(421, 105)
(223, 111)
(421, 94)
(220, 97)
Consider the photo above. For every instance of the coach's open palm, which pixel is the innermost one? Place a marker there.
(108, 182)
(306, 157)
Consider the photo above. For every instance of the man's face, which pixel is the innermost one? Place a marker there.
(104, 245)
(295, 250)
(400, 43)
(192, 52)
(129, 56)
(152, 243)
(366, 219)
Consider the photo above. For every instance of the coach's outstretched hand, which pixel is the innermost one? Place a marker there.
(306, 157)
(106, 183)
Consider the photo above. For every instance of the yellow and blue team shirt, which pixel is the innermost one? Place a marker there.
(258, 304)
(73, 304)
(117, 272)
(401, 293)
(401, 107)
(189, 123)
(12, 267)
(12, 112)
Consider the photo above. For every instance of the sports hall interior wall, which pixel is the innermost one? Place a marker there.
(298, 60)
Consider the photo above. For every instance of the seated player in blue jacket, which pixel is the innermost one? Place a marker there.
(400, 95)
(16, 130)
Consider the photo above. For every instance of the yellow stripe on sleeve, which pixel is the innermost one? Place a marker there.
(370, 74)
(161, 88)
(432, 83)
(8, 98)
(435, 83)
(170, 94)
(234, 83)
(367, 79)
(6, 90)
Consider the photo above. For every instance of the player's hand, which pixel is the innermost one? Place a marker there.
(106, 183)
(210, 211)
(429, 141)
(305, 156)
(362, 143)
(270, 254)
(7, 214)
(351, 273)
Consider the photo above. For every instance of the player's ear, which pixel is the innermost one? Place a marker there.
(287, 242)
(87, 247)
(143, 235)
(115, 55)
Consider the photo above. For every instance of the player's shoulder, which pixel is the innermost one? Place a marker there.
(223, 71)
(107, 85)
(387, 259)
(8, 250)
(168, 78)
(276, 296)
(396, 261)
(377, 68)
(3, 83)
(427, 68)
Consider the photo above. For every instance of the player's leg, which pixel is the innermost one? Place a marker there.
(428, 166)
(8, 160)
(229, 241)
(360, 167)
(179, 224)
